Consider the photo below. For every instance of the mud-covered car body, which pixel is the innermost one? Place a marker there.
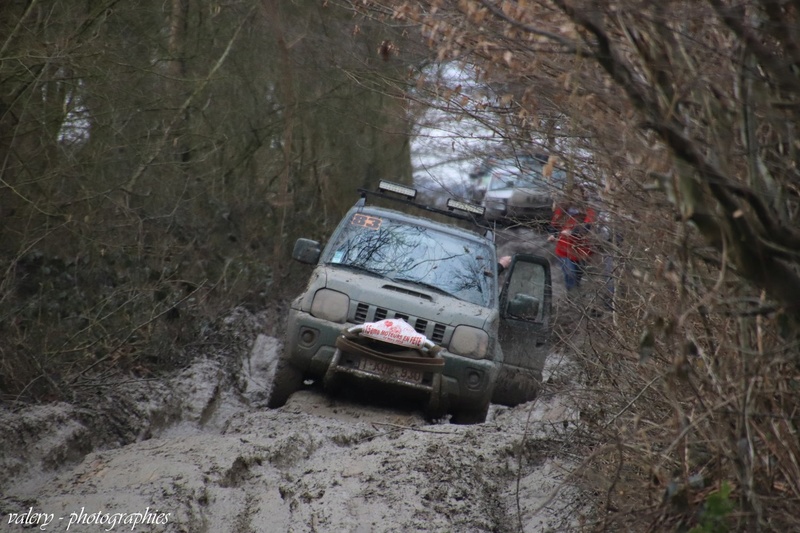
(441, 280)
(522, 191)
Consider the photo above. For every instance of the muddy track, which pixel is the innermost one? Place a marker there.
(317, 464)
(200, 452)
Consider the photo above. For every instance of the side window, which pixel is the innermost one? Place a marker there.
(559, 179)
(526, 291)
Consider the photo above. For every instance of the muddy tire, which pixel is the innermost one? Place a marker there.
(438, 404)
(332, 381)
(471, 416)
(516, 386)
(287, 381)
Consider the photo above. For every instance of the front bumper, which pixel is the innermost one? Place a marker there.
(528, 211)
(514, 213)
(310, 346)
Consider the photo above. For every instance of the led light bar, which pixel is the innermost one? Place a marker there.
(388, 186)
(464, 206)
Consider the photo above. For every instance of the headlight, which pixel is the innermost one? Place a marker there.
(330, 305)
(470, 342)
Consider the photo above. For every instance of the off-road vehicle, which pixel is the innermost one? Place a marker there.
(522, 190)
(471, 343)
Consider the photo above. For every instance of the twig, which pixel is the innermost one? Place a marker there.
(128, 188)
(19, 25)
(519, 460)
(112, 350)
(568, 477)
(630, 403)
(412, 428)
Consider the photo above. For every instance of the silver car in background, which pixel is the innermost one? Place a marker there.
(523, 190)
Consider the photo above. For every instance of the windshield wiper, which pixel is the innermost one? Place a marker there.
(426, 285)
(358, 268)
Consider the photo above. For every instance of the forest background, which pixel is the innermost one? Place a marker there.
(158, 159)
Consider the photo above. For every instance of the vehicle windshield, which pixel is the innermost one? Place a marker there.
(526, 177)
(415, 254)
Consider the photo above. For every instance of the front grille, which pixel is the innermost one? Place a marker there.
(361, 313)
(435, 331)
(438, 333)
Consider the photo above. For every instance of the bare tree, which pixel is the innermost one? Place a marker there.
(157, 160)
(687, 111)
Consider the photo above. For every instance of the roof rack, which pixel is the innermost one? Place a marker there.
(404, 194)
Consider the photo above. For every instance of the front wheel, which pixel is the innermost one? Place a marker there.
(438, 402)
(287, 381)
(471, 416)
(332, 381)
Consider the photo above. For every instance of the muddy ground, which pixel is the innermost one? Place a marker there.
(201, 452)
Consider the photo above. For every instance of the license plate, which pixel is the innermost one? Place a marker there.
(389, 370)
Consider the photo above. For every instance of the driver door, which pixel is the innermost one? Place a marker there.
(526, 302)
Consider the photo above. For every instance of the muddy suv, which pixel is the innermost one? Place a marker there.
(522, 190)
(470, 343)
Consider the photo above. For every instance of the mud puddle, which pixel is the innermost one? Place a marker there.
(211, 457)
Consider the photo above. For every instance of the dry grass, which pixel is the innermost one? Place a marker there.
(691, 390)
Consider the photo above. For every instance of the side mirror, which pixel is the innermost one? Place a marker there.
(527, 291)
(523, 306)
(306, 251)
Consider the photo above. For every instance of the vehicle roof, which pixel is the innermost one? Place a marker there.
(425, 222)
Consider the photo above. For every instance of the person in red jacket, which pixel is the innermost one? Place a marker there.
(571, 225)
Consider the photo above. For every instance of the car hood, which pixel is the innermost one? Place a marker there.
(499, 194)
(522, 196)
(400, 297)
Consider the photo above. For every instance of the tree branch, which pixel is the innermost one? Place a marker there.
(128, 188)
